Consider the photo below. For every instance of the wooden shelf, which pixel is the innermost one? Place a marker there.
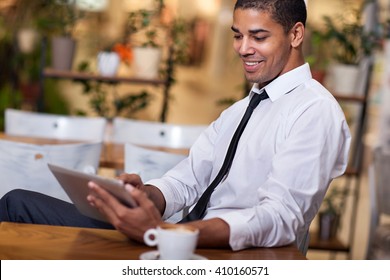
(350, 98)
(351, 171)
(82, 76)
(51, 73)
(333, 244)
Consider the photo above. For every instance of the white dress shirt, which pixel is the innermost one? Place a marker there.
(294, 144)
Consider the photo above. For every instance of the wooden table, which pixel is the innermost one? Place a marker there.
(112, 155)
(36, 140)
(26, 242)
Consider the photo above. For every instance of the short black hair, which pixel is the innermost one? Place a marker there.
(285, 12)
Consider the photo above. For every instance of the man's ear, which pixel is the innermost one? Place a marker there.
(297, 33)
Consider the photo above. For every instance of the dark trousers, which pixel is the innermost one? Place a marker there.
(22, 206)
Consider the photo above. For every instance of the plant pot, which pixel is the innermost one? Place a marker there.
(147, 62)
(346, 79)
(108, 63)
(63, 50)
(328, 225)
(318, 75)
(30, 94)
(27, 40)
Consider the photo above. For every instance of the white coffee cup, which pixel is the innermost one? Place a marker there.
(174, 241)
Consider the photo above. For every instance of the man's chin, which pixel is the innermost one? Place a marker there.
(251, 78)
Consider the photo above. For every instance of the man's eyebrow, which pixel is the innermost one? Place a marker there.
(235, 29)
(254, 31)
(260, 30)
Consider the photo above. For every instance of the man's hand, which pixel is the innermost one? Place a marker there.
(132, 222)
(133, 179)
(153, 193)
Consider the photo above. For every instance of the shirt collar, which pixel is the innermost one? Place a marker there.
(285, 83)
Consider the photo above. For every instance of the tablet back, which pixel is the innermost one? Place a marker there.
(75, 184)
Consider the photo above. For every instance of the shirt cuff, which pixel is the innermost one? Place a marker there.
(163, 186)
(240, 233)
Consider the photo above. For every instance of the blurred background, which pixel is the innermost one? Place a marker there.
(198, 74)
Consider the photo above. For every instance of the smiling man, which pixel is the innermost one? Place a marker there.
(294, 144)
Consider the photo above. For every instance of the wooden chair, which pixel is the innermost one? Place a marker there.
(24, 166)
(25, 123)
(379, 185)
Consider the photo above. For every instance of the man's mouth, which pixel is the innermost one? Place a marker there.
(251, 63)
(252, 66)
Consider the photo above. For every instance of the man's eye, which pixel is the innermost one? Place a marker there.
(237, 36)
(259, 38)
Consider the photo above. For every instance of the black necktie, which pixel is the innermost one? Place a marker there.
(199, 210)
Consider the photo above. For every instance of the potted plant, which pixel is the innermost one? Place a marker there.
(26, 34)
(108, 60)
(330, 213)
(142, 31)
(317, 55)
(20, 65)
(108, 106)
(148, 31)
(57, 20)
(350, 45)
(21, 60)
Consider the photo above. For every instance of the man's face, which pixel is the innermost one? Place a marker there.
(262, 45)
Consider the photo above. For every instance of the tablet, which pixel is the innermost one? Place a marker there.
(75, 184)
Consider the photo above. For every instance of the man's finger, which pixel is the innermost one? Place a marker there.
(105, 202)
(142, 200)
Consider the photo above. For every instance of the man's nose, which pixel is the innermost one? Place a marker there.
(246, 47)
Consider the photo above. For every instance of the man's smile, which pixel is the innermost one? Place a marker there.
(252, 66)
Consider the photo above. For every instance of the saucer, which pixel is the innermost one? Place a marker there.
(154, 255)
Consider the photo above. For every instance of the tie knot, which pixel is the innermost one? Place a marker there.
(256, 98)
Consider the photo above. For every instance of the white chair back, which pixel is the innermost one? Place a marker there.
(25, 123)
(149, 163)
(24, 165)
(155, 134)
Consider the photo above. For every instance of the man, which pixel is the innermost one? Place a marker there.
(294, 144)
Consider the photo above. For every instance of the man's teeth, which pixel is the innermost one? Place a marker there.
(251, 63)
